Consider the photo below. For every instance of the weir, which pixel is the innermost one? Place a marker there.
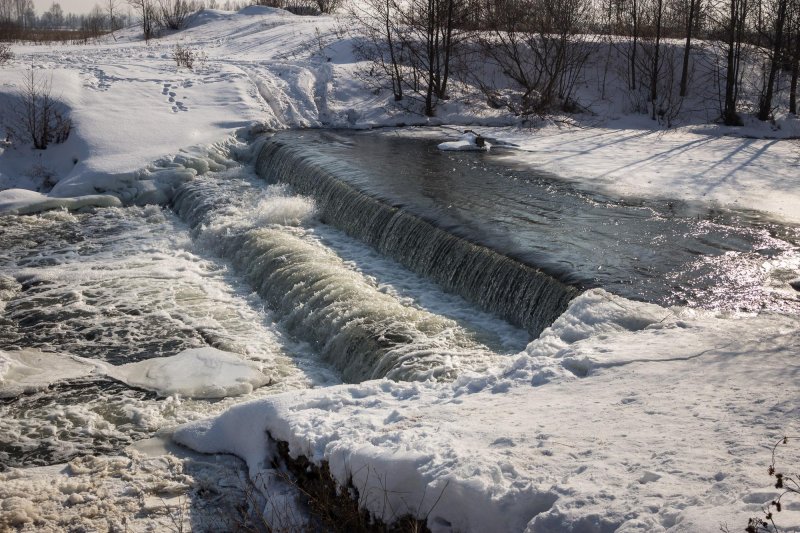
(515, 291)
(362, 331)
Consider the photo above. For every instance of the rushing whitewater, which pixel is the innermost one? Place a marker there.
(364, 332)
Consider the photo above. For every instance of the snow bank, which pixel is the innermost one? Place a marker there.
(469, 142)
(195, 373)
(24, 202)
(33, 370)
(661, 430)
(708, 165)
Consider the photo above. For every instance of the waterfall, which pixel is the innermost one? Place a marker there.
(515, 291)
(363, 332)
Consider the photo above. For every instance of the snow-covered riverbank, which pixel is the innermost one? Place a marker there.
(622, 416)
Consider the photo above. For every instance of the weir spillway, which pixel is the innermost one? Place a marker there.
(517, 292)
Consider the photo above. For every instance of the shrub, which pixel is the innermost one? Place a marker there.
(187, 57)
(36, 111)
(789, 486)
(6, 54)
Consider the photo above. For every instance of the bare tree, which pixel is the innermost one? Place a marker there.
(148, 16)
(113, 8)
(174, 14)
(36, 111)
(379, 42)
(328, 6)
(430, 34)
(535, 44)
(778, 13)
(736, 29)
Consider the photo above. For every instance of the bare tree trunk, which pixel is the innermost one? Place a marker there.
(656, 66)
(793, 87)
(635, 43)
(735, 31)
(448, 48)
(795, 58)
(765, 105)
(397, 82)
(430, 36)
(693, 6)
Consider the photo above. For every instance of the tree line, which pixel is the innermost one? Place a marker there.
(530, 56)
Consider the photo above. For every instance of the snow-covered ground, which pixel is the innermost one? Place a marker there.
(621, 416)
(264, 68)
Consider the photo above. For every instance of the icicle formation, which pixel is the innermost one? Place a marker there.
(519, 293)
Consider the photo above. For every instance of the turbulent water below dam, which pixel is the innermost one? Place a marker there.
(332, 258)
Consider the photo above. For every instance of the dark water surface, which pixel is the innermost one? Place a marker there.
(662, 251)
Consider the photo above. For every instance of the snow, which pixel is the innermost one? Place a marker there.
(622, 416)
(194, 373)
(648, 420)
(467, 143)
(695, 164)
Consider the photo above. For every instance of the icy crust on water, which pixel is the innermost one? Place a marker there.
(155, 183)
(195, 373)
(29, 371)
(622, 417)
(24, 202)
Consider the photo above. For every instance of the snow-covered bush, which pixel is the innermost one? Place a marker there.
(6, 54)
(37, 115)
(188, 57)
(788, 484)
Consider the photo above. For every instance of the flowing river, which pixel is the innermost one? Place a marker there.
(333, 257)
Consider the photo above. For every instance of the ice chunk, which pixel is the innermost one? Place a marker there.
(24, 202)
(196, 373)
(32, 370)
(469, 142)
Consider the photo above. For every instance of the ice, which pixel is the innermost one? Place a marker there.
(194, 373)
(25, 202)
(31, 370)
(469, 142)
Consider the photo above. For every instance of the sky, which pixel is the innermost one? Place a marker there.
(69, 6)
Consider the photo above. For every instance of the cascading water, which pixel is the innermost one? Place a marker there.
(362, 331)
(496, 283)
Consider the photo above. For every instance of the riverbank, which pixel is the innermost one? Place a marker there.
(621, 416)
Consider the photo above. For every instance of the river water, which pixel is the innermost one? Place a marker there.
(335, 257)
